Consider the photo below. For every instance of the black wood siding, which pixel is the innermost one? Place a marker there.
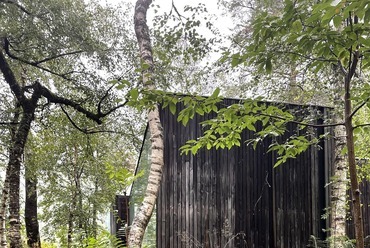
(234, 198)
(365, 199)
(120, 217)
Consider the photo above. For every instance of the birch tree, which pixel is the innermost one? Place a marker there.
(141, 219)
(42, 47)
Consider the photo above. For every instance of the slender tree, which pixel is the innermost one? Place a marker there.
(145, 211)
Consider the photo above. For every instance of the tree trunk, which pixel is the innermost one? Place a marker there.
(94, 230)
(355, 189)
(339, 189)
(15, 159)
(31, 220)
(145, 211)
(4, 204)
(70, 226)
(338, 198)
(5, 191)
(17, 148)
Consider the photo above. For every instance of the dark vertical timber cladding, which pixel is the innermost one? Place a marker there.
(322, 178)
(329, 147)
(235, 197)
(365, 200)
(121, 217)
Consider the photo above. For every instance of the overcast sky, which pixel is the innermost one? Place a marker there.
(223, 23)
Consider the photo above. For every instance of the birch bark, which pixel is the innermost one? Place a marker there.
(145, 211)
(338, 195)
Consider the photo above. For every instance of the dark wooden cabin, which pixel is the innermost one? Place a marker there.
(119, 217)
(235, 198)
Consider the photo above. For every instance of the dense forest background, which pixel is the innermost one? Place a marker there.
(80, 79)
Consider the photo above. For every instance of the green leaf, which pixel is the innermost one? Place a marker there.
(329, 14)
(172, 106)
(134, 93)
(199, 110)
(250, 126)
(145, 66)
(215, 93)
(185, 120)
(337, 20)
(194, 150)
(297, 26)
(268, 65)
(279, 162)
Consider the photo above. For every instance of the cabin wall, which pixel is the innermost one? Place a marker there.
(234, 198)
(365, 199)
(120, 217)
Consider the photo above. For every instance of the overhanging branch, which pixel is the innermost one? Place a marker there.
(359, 107)
(53, 98)
(37, 63)
(303, 123)
(84, 130)
(17, 5)
(362, 125)
(8, 123)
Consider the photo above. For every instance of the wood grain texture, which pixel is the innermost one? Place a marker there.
(234, 198)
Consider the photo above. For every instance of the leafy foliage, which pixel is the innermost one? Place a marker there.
(224, 128)
(85, 169)
(105, 239)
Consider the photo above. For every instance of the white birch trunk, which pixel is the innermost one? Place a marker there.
(4, 205)
(338, 196)
(339, 190)
(145, 211)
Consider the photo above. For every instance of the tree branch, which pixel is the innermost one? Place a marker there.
(45, 92)
(17, 5)
(34, 63)
(308, 57)
(72, 122)
(10, 78)
(303, 123)
(102, 99)
(58, 56)
(8, 123)
(85, 130)
(61, 100)
(361, 125)
(359, 107)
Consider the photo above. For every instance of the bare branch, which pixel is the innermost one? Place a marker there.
(72, 122)
(8, 123)
(114, 109)
(61, 100)
(173, 7)
(34, 63)
(85, 130)
(58, 56)
(17, 5)
(362, 125)
(359, 107)
(102, 99)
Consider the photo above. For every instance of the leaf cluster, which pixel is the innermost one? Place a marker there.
(264, 120)
(315, 32)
